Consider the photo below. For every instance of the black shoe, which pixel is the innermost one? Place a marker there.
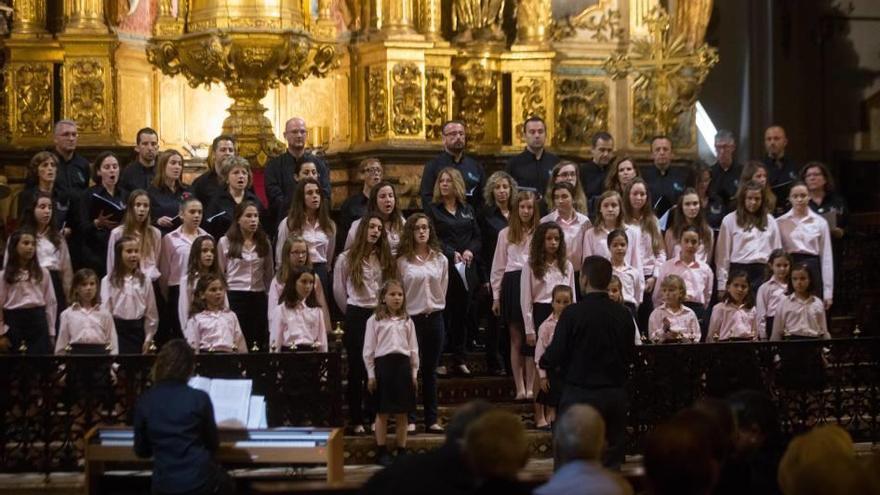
(496, 371)
(384, 458)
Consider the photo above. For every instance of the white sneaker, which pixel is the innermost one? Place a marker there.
(411, 428)
(359, 430)
(442, 371)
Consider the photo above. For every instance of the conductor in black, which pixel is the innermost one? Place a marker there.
(592, 349)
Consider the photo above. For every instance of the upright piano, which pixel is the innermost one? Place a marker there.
(275, 446)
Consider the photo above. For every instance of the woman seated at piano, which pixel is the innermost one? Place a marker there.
(174, 424)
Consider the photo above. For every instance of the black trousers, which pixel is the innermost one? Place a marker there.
(60, 297)
(252, 310)
(429, 333)
(131, 335)
(28, 326)
(458, 315)
(612, 405)
(170, 326)
(355, 390)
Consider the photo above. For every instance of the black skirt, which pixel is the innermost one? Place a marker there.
(131, 335)
(28, 327)
(552, 396)
(394, 385)
(511, 307)
(540, 312)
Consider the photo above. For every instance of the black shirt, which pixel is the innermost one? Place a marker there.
(491, 222)
(280, 182)
(593, 180)
(457, 232)
(207, 186)
(781, 172)
(175, 425)
(219, 214)
(136, 176)
(471, 171)
(666, 186)
(353, 208)
(72, 177)
(835, 203)
(725, 182)
(95, 201)
(441, 472)
(593, 343)
(166, 203)
(530, 171)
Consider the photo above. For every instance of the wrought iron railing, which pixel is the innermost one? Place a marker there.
(48, 403)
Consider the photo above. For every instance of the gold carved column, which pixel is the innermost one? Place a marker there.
(87, 73)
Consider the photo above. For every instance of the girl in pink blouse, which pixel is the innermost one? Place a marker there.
(211, 327)
(128, 296)
(734, 318)
(360, 272)
(772, 292)
(136, 223)
(638, 212)
(383, 200)
(86, 328)
(550, 385)
(246, 258)
(608, 218)
(801, 315)
(547, 267)
(203, 260)
(297, 256)
(688, 212)
(672, 321)
(391, 357)
(298, 321)
(309, 217)
(511, 254)
(26, 297)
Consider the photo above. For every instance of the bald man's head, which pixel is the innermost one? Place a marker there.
(295, 133)
(580, 434)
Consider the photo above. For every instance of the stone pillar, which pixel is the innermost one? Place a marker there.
(29, 18)
(430, 19)
(85, 16)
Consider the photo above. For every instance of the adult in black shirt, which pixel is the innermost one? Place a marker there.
(41, 174)
(781, 169)
(593, 171)
(174, 424)
(167, 192)
(139, 173)
(824, 199)
(725, 171)
(280, 180)
(354, 207)
(454, 143)
(459, 234)
(592, 349)
(101, 209)
(73, 169)
(666, 182)
(532, 167)
(236, 172)
(210, 183)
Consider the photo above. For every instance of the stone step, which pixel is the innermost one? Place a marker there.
(458, 389)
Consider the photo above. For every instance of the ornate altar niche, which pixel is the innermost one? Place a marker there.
(370, 76)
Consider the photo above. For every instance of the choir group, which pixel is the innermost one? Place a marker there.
(140, 258)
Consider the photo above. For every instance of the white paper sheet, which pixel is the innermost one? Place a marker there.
(257, 413)
(461, 267)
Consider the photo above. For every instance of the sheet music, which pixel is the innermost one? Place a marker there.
(200, 383)
(461, 268)
(257, 413)
(231, 400)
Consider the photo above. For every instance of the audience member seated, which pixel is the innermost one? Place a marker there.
(759, 443)
(679, 460)
(577, 444)
(495, 448)
(442, 471)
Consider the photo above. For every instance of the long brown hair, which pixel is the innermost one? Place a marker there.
(395, 218)
(744, 218)
(289, 296)
(749, 170)
(29, 219)
(579, 198)
(612, 182)
(648, 220)
(517, 231)
(407, 247)
(175, 362)
(296, 215)
(194, 268)
(284, 263)
(80, 277)
(680, 221)
(600, 220)
(161, 165)
(13, 264)
(236, 237)
(538, 256)
(131, 227)
(119, 271)
(198, 300)
(361, 250)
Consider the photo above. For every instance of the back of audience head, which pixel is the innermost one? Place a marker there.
(679, 460)
(495, 445)
(579, 435)
(721, 415)
(463, 417)
(757, 421)
(823, 462)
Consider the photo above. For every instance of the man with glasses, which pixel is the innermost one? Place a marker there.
(533, 166)
(371, 173)
(454, 142)
(279, 177)
(725, 172)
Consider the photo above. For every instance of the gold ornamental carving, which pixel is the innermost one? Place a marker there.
(377, 115)
(666, 78)
(478, 20)
(430, 19)
(581, 111)
(601, 25)
(475, 87)
(250, 48)
(533, 21)
(436, 104)
(33, 99)
(531, 97)
(407, 99)
(29, 18)
(86, 97)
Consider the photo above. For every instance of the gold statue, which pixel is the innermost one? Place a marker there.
(477, 20)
